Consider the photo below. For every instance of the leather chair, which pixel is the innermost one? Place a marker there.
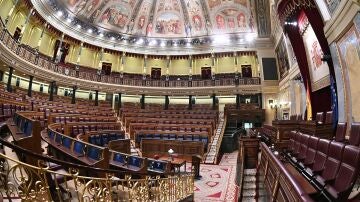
(329, 117)
(310, 152)
(341, 187)
(303, 147)
(319, 118)
(297, 146)
(340, 132)
(320, 158)
(332, 163)
(355, 134)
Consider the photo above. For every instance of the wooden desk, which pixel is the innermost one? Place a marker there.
(176, 162)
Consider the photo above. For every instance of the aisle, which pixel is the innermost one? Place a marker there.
(218, 181)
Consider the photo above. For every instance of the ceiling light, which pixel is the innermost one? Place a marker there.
(68, 20)
(78, 26)
(59, 13)
(90, 31)
(101, 35)
(112, 38)
(163, 44)
(153, 42)
(140, 41)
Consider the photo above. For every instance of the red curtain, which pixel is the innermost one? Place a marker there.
(320, 99)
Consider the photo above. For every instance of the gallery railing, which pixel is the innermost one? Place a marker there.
(31, 55)
(26, 182)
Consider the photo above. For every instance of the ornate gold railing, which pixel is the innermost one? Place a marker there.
(40, 183)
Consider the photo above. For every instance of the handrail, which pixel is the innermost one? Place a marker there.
(241, 169)
(220, 138)
(41, 183)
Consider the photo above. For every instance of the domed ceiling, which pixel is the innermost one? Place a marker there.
(147, 24)
(167, 18)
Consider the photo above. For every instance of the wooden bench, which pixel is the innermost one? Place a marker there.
(172, 135)
(170, 127)
(150, 147)
(129, 120)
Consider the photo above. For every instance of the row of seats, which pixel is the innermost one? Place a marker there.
(103, 139)
(79, 148)
(10, 109)
(24, 124)
(201, 138)
(75, 130)
(331, 166)
(67, 119)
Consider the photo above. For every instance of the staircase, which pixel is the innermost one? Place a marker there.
(252, 189)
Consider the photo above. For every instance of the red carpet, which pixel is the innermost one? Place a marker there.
(218, 181)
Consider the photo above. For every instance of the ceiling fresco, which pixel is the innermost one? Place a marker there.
(166, 18)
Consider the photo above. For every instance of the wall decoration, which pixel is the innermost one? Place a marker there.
(168, 23)
(166, 18)
(318, 69)
(282, 58)
(350, 59)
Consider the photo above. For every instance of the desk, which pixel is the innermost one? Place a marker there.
(176, 162)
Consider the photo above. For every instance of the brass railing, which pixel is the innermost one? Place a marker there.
(46, 182)
(29, 183)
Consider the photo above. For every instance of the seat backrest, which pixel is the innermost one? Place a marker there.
(348, 171)
(329, 117)
(304, 144)
(321, 154)
(333, 160)
(340, 132)
(355, 134)
(320, 117)
(311, 149)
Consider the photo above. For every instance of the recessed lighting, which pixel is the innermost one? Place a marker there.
(90, 31)
(59, 13)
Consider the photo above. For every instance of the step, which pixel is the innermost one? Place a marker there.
(249, 185)
(249, 178)
(249, 193)
(250, 171)
(248, 199)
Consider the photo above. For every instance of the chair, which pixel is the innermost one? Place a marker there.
(310, 153)
(320, 158)
(303, 147)
(329, 117)
(340, 188)
(320, 118)
(331, 164)
(354, 138)
(340, 132)
(93, 152)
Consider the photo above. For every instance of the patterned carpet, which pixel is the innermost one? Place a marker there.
(218, 181)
